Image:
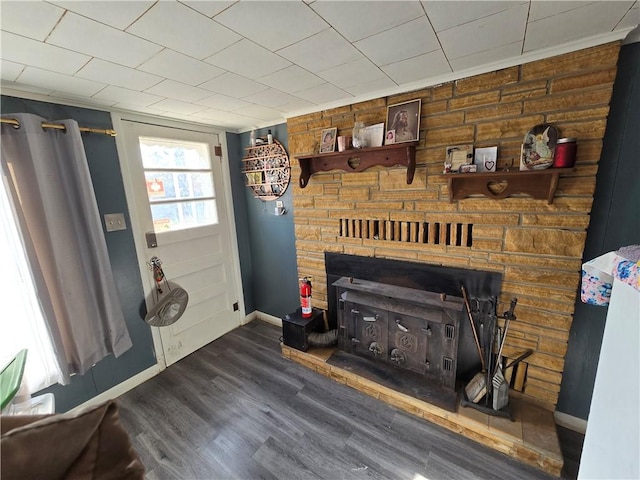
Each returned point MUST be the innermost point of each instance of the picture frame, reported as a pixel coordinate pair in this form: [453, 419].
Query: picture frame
[486, 159]
[328, 140]
[374, 134]
[390, 137]
[404, 118]
[458, 155]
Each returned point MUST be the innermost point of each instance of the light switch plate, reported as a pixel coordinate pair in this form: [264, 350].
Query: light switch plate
[279, 203]
[114, 222]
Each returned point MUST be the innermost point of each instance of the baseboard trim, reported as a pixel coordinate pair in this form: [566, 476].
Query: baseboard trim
[569, 421]
[121, 388]
[250, 318]
[265, 317]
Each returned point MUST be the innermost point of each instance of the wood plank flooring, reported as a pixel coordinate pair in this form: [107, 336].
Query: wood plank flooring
[237, 409]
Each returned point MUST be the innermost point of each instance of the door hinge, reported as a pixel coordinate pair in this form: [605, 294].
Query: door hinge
[236, 307]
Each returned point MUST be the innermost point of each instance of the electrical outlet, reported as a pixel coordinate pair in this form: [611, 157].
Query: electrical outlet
[279, 203]
[114, 222]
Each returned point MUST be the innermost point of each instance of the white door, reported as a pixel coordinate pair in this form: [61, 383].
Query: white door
[178, 191]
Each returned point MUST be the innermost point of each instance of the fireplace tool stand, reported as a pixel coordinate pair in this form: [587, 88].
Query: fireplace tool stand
[497, 390]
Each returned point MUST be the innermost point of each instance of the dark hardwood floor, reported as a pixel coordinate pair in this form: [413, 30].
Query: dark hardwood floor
[237, 409]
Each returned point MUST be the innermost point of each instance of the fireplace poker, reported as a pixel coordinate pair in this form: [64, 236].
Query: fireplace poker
[477, 387]
[473, 325]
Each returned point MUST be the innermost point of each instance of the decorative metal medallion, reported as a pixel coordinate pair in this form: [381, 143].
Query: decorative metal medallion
[407, 341]
[372, 331]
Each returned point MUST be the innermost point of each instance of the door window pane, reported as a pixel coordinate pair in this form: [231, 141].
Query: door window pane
[174, 154]
[181, 215]
[179, 183]
[166, 185]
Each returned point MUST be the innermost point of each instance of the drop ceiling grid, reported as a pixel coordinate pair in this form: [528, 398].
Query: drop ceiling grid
[246, 63]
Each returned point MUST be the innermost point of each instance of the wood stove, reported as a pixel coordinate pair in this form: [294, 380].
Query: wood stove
[403, 327]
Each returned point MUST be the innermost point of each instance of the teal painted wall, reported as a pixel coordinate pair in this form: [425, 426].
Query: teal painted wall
[266, 241]
[614, 223]
[109, 189]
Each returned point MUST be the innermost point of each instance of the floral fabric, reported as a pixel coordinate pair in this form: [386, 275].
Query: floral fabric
[598, 275]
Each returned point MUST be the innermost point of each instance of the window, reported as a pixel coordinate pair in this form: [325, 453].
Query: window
[179, 183]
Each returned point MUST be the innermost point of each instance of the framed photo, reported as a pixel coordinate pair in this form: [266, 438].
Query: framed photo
[486, 159]
[374, 134]
[458, 155]
[404, 118]
[328, 140]
[390, 137]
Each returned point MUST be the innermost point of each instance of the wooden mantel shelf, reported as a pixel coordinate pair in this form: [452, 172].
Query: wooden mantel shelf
[540, 184]
[357, 160]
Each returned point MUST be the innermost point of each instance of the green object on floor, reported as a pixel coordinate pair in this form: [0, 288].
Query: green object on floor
[11, 378]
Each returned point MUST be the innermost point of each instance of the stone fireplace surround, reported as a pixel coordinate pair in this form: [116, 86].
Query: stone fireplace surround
[536, 247]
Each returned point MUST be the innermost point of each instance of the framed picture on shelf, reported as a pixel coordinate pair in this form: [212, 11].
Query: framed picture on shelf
[328, 140]
[458, 155]
[390, 137]
[404, 118]
[486, 159]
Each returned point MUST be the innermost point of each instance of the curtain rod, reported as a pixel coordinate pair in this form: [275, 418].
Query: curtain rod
[57, 126]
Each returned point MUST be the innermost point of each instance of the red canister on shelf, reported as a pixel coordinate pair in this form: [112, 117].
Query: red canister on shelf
[565, 156]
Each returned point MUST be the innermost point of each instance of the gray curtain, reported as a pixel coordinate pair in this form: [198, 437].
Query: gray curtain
[56, 210]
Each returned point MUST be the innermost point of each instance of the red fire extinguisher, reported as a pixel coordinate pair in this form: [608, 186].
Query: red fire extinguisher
[305, 297]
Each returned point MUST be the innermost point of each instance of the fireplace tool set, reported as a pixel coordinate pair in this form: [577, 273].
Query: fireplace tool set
[488, 390]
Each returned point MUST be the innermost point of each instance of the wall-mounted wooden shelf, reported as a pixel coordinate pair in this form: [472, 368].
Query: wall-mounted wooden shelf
[357, 160]
[267, 170]
[540, 184]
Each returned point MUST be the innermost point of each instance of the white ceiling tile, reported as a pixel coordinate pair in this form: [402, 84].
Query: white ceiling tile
[10, 70]
[29, 19]
[37, 54]
[226, 118]
[180, 67]
[260, 112]
[176, 106]
[632, 18]
[378, 85]
[489, 32]
[180, 28]
[137, 108]
[576, 24]
[352, 73]
[23, 87]
[418, 68]
[322, 51]
[59, 82]
[117, 75]
[178, 91]
[292, 79]
[324, 93]
[129, 97]
[248, 59]
[447, 14]
[296, 105]
[511, 50]
[273, 25]
[233, 85]
[223, 103]
[83, 99]
[270, 98]
[210, 9]
[543, 8]
[405, 41]
[358, 20]
[83, 35]
[105, 11]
